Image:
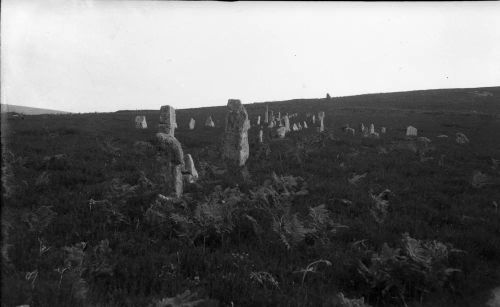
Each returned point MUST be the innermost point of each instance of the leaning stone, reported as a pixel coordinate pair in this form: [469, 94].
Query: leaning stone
[258, 120]
[294, 127]
[209, 122]
[305, 125]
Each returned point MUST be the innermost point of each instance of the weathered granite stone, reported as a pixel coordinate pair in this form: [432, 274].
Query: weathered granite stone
[172, 157]
[192, 123]
[287, 123]
[461, 138]
[168, 122]
[140, 122]
[209, 122]
[281, 132]
[411, 131]
[190, 169]
[321, 117]
[235, 147]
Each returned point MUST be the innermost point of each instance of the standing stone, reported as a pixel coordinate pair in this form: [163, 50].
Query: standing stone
[192, 123]
[294, 127]
[321, 117]
[281, 132]
[258, 120]
[140, 122]
[271, 115]
[305, 125]
[261, 136]
[350, 130]
[279, 116]
[209, 122]
[314, 119]
[299, 126]
[411, 131]
[235, 149]
[382, 130]
[190, 169]
[266, 115]
[287, 123]
[372, 129]
[168, 122]
[172, 155]
[362, 128]
[461, 138]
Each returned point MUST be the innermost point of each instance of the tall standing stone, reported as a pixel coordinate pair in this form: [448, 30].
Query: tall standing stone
[321, 117]
[287, 123]
[266, 115]
[235, 148]
[279, 116]
[192, 123]
[314, 119]
[172, 155]
[271, 115]
[261, 136]
[258, 120]
[168, 122]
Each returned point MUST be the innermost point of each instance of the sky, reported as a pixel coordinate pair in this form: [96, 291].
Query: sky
[86, 56]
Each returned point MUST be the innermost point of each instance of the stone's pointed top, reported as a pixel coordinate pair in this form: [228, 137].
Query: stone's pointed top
[234, 104]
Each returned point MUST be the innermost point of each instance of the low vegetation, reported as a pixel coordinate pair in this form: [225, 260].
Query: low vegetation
[325, 219]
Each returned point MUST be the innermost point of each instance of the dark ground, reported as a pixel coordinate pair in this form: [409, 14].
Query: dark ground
[250, 243]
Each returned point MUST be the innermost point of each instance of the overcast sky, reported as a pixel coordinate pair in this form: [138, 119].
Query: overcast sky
[85, 56]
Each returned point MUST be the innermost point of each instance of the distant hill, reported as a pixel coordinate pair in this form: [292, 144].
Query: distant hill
[28, 110]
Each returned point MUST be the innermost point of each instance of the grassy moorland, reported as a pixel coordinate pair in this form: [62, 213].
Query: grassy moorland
[325, 220]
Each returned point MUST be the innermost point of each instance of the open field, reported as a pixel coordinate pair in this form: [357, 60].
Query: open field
[82, 224]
